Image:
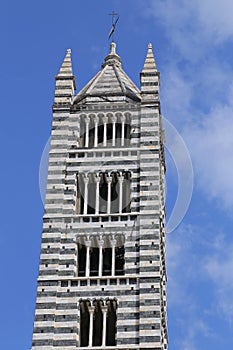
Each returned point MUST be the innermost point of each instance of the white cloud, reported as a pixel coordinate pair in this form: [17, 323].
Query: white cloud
[216, 18]
[195, 329]
[219, 269]
[185, 268]
[197, 88]
[194, 24]
[187, 265]
[197, 96]
[211, 145]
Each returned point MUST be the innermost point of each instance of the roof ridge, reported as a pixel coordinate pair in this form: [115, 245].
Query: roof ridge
[129, 79]
[119, 80]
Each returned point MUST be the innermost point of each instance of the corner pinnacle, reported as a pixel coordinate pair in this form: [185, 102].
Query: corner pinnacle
[66, 67]
[149, 64]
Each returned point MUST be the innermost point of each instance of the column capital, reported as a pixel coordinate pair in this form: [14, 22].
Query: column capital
[104, 308]
[86, 179]
[114, 119]
[109, 179]
[96, 119]
[122, 118]
[88, 243]
[97, 178]
[120, 178]
[87, 120]
[101, 242]
[91, 309]
[113, 242]
[104, 119]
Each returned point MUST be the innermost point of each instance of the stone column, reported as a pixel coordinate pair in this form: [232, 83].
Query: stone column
[105, 120]
[101, 244]
[120, 180]
[122, 130]
[96, 120]
[88, 245]
[87, 121]
[86, 181]
[91, 313]
[129, 190]
[104, 310]
[114, 119]
[109, 182]
[97, 194]
[113, 242]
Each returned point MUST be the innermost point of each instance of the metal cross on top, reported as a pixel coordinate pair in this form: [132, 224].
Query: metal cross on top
[115, 18]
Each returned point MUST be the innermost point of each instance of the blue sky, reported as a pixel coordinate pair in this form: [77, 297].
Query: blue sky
[193, 46]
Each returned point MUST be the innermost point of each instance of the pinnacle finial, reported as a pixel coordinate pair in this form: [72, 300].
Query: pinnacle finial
[112, 57]
[65, 93]
[113, 48]
[149, 78]
[66, 67]
[149, 64]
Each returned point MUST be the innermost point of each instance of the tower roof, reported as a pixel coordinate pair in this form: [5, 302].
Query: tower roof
[111, 83]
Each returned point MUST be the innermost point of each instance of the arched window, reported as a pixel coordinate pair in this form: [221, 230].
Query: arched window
[103, 193]
[98, 323]
[101, 257]
[111, 323]
[84, 323]
[105, 130]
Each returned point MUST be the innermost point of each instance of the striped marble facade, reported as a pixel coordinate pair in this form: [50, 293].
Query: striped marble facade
[139, 293]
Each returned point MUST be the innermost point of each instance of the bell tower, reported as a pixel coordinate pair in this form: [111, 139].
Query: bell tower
[102, 276]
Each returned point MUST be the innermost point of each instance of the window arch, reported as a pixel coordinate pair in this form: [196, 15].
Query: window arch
[98, 320]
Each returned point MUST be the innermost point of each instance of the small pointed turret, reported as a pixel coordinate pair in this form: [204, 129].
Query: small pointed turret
[66, 67]
[149, 64]
[149, 78]
[65, 81]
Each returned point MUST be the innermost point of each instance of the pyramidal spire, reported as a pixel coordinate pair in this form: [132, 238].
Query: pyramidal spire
[65, 81]
[149, 78]
[149, 64]
[66, 67]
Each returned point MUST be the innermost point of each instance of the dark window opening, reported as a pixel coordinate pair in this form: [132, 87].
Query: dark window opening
[95, 314]
[114, 193]
[126, 193]
[91, 195]
[103, 192]
[82, 252]
[107, 261]
[100, 134]
[120, 260]
[94, 262]
[97, 325]
[85, 323]
[111, 324]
